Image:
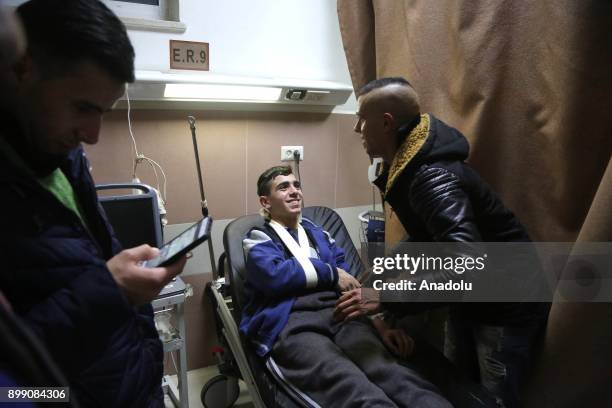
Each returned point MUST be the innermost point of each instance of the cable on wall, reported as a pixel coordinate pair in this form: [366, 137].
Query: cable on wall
[140, 158]
[296, 166]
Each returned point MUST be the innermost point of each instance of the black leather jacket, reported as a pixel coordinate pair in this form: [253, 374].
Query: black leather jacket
[439, 198]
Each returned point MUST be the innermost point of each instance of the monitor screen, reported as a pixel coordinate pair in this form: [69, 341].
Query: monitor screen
[134, 218]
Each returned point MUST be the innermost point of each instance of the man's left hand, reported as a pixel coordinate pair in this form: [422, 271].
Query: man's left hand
[356, 303]
[398, 342]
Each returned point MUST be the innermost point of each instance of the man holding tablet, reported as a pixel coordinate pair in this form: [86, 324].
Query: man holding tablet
[63, 270]
[182, 244]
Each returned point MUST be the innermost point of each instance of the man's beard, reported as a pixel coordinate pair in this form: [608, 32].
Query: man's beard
[41, 163]
[44, 164]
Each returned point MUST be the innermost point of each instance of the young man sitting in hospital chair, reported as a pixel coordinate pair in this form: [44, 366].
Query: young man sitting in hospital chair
[295, 273]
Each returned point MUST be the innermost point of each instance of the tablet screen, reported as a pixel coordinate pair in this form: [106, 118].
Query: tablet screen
[184, 242]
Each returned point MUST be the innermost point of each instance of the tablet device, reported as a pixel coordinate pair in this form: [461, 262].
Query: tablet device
[183, 243]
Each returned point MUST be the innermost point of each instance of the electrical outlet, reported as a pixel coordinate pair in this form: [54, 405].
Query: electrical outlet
[287, 152]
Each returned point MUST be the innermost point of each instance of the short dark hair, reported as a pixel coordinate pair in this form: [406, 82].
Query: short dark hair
[382, 82]
[264, 182]
[61, 32]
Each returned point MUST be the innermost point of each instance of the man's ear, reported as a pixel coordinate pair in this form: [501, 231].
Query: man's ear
[389, 122]
[264, 201]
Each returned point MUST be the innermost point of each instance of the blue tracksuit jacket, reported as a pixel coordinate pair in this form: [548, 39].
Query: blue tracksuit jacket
[275, 278]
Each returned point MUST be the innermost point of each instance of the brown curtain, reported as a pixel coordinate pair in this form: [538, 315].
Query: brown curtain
[530, 85]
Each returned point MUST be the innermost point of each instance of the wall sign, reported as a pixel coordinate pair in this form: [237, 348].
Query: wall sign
[189, 55]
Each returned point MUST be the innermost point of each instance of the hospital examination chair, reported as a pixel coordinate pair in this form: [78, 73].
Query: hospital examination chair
[265, 386]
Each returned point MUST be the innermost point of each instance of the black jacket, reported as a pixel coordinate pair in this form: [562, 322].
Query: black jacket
[439, 198]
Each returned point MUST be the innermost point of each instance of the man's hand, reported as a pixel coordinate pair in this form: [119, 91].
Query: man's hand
[357, 302]
[396, 340]
[139, 284]
[346, 281]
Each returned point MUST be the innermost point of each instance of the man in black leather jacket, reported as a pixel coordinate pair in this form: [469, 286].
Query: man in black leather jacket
[438, 198]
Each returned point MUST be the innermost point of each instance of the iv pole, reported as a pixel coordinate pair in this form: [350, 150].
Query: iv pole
[203, 202]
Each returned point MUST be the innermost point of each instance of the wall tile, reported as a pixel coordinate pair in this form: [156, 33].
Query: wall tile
[111, 158]
[166, 138]
[222, 150]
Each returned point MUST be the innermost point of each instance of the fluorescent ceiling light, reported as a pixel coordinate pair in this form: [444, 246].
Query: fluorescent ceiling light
[172, 90]
[222, 92]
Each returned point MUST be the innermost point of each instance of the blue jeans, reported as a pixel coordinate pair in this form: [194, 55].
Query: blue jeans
[499, 357]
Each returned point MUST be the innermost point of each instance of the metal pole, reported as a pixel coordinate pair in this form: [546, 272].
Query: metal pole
[203, 202]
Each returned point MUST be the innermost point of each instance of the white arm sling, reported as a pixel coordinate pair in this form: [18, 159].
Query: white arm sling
[301, 252]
